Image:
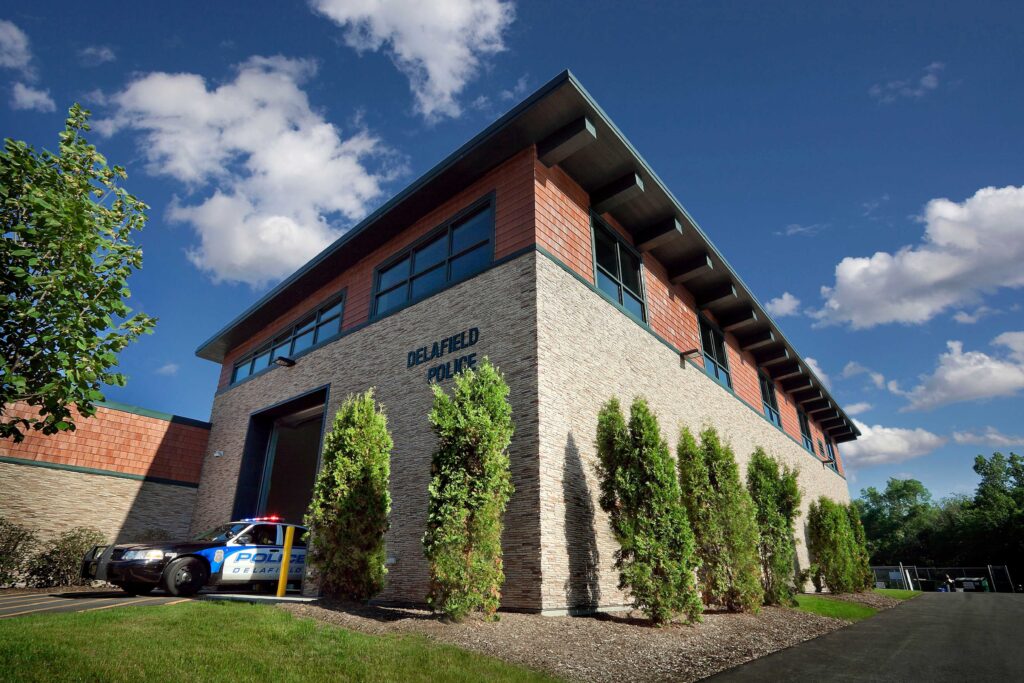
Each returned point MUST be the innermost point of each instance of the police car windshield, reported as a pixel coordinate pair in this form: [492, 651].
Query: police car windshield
[224, 532]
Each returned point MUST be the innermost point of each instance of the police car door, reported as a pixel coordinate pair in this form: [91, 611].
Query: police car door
[297, 563]
[256, 557]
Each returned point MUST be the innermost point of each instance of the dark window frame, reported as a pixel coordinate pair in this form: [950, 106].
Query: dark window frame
[805, 430]
[299, 328]
[716, 369]
[831, 455]
[484, 204]
[598, 223]
[769, 399]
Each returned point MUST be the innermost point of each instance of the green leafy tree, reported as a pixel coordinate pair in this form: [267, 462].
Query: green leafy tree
[348, 515]
[836, 547]
[469, 489]
[776, 496]
[641, 495]
[65, 259]
[724, 524]
[896, 520]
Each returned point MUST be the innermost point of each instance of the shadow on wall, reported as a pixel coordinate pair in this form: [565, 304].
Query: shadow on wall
[583, 588]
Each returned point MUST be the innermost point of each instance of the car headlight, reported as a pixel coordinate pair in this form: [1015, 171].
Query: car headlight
[143, 555]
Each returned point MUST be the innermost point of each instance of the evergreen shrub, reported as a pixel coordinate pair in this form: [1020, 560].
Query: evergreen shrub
[837, 549]
[348, 515]
[776, 496]
[59, 560]
[469, 489]
[640, 493]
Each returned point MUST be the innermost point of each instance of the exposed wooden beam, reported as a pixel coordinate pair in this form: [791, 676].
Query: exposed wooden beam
[756, 340]
[566, 141]
[817, 406]
[658, 234]
[826, 413]
[831, 423]
[797, 383]
[737, 319]
[843, 438]
[715, 295]
[690, 268]
[785, 370]
[617, 192]
[807, 394]
[772, 356]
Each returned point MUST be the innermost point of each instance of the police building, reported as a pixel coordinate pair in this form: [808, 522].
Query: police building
[548, 245]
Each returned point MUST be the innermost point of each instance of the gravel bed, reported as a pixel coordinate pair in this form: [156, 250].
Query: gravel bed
[869, 598]
[607, 647]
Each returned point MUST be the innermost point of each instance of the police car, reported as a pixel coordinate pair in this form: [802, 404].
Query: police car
[246, 553]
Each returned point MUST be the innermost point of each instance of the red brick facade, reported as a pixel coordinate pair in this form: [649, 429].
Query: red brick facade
[119, 441]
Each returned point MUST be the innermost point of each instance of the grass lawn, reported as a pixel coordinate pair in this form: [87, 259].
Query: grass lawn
[840, 609]
[897, 593]
[221, 641]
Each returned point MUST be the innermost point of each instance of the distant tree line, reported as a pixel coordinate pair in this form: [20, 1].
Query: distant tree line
[904, 524]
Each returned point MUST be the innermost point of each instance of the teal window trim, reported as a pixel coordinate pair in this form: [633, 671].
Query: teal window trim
[769, 400]
[630, 297]
[439, 274]
[805, 431]
[312, 330]
[716, 367]
[832, 455]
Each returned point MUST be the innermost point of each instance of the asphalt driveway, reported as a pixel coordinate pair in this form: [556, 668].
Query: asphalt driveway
[23, 604]
[933, 637]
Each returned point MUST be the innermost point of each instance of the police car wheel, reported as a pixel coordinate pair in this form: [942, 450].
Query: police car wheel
[185, 576]
[138, 588]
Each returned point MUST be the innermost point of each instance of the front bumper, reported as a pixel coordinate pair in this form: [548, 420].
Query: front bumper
[97, 565]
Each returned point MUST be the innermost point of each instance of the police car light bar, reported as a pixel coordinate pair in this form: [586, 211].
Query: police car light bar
[269, 518]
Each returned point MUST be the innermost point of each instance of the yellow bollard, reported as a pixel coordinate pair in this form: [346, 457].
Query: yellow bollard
[282, 582]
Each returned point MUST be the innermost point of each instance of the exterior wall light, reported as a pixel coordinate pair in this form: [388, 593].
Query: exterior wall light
[691, 354]
[285, 361]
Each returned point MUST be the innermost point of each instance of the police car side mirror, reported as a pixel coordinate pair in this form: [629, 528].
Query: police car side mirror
[244, 539]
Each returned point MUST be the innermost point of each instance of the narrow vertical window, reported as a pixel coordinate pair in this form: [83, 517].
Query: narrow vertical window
[805, 431]
[771, 405]
[617, 270]
[832, 455]
[716, 362]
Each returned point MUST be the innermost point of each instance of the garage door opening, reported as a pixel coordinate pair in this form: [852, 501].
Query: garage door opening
[281, 459]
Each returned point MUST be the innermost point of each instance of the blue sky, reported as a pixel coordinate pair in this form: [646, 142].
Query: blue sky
[871, 150]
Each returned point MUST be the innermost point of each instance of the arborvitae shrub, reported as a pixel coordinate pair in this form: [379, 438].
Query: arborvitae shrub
[469, 489]
[864, 577]
[839, 555]
[640, 493]
[724, 526]
[776, 497]
[348, 515]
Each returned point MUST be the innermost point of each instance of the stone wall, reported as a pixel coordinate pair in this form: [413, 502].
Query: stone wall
[589, 351]
[502, 304]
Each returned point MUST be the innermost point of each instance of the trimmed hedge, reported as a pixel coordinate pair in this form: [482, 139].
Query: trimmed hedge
[836, 544]
[641, 495]
[348, 515]
[469, 489]
[16, 545]
[59, 562]
[776, 496]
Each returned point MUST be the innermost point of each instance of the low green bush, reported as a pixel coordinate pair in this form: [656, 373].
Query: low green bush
[16, 545]
[59, 561]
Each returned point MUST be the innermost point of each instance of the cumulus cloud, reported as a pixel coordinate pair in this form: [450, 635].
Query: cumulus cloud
[858, 408]
[969, 248]
[167, 369]
[971, 317]
[909, 88]
[819, 373]
[854, 369]
[970, 375]
[784, 305]
[29, 98]
[15, 52]
[284, 176]
[439, 47]
[989, 436]
[878, 445]
[95, 55]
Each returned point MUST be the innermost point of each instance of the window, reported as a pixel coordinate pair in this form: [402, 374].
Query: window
[312, 330]
[716, 363]
[262, 534]
[821, 449]
[771, 405]
[831, 455]
[456, 251]
[617, 270]
[805, 431]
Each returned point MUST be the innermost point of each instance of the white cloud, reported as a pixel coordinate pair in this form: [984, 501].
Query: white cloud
[439, 46]
[858, 408]
[15, 52]
[95, 55]
[796, 229]
[26, 97]
[969, 249]
[969, 318]
[283, 174]
[819, 373]
[878, 445]
[516, 91]
[167, 369]
[910, 88]
[784, 305]
[989, 436]
[853, 369]
[969, 375]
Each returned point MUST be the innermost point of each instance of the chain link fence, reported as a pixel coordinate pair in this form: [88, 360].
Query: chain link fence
[995, 576]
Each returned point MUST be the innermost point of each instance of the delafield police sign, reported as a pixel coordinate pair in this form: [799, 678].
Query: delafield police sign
[446, 347]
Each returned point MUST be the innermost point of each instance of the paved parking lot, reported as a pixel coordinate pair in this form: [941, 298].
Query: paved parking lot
[23, 604]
